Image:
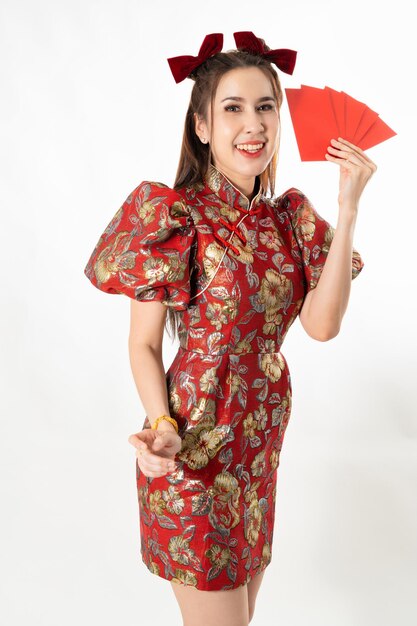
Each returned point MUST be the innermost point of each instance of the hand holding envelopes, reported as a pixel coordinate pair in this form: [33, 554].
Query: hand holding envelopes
[318, 115]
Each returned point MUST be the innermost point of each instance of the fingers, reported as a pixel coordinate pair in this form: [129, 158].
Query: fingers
[345, 153]
[154, 465]
[341, 151]
[360, 151]
[341, 161]
[142, 439]
[136, 442]
[159, 443]
[151, 464]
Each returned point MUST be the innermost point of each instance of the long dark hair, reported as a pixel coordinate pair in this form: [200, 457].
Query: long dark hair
[195, 156]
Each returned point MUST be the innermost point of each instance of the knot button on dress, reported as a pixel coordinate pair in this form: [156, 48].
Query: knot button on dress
[236, 272]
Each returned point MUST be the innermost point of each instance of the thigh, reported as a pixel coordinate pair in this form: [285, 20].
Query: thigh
[253, 588]
[212, 608]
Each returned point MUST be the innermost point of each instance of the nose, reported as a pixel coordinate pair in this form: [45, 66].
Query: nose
[254, 122]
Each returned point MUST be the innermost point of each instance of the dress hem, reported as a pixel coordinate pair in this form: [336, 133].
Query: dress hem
[211, 588]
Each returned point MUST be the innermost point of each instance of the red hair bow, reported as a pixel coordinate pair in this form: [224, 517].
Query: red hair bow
[182, 66]
[283, 58]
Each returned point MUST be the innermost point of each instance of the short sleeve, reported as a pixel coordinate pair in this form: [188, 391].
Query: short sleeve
[313, 236]
[145, 250]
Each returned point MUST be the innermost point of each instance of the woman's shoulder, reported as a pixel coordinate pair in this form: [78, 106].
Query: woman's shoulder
[153, 202]
[155, 192]
[290, 198]
[145, 248]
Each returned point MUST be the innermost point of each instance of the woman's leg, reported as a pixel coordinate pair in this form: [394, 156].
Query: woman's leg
[253, 588]
[212, 608]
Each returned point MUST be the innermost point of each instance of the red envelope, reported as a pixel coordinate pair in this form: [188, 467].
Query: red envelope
[318, 115]
[377, 133]
[367, 120]
[354, 112]
[338, 104]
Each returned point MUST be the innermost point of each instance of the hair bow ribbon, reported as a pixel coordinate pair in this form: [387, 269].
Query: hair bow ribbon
[282, 57]
[183, 65]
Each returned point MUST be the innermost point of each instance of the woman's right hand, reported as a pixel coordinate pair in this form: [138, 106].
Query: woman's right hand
[156, 450]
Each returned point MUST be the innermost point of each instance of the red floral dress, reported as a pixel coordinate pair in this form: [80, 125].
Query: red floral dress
[237, 273]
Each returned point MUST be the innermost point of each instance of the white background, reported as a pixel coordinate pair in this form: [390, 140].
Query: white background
[89, 109]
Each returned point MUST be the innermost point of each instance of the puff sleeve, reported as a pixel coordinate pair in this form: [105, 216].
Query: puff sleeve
[313, 236]
[145, 250]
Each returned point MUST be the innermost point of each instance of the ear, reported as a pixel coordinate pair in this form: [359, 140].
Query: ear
[200, 126]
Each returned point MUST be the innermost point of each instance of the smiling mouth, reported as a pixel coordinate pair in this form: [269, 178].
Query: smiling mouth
[249, 151]
[250, 148]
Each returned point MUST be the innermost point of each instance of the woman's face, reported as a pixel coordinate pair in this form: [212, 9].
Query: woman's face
[245, 111]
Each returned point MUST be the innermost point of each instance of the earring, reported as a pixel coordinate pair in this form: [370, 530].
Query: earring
[204, 140]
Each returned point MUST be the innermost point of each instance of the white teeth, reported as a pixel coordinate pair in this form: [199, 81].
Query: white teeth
[249, 147]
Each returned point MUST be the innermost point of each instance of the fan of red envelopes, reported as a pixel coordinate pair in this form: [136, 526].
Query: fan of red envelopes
[319, 115]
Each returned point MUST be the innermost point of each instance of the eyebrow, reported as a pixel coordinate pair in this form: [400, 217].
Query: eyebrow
[238, 99]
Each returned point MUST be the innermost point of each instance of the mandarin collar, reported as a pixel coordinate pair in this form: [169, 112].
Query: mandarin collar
[227, 192]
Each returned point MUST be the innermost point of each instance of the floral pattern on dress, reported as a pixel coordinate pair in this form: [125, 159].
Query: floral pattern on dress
[144, 252]
[237, 272]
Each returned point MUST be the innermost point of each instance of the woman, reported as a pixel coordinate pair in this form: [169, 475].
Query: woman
[232, 268]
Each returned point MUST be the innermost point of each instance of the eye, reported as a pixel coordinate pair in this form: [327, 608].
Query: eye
[235, 106]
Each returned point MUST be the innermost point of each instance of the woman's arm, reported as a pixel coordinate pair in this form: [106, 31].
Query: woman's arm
[155, 449]
[325, 305]
[147, 320]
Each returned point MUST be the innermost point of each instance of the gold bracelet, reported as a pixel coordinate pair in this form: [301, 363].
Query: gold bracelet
[168, 418]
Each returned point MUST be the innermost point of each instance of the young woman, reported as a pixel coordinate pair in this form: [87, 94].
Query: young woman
[230, 266]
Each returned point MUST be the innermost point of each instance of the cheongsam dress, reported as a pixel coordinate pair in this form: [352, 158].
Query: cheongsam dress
[237, 273]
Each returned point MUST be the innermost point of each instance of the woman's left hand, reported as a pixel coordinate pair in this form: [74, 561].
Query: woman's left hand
[356, 168]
